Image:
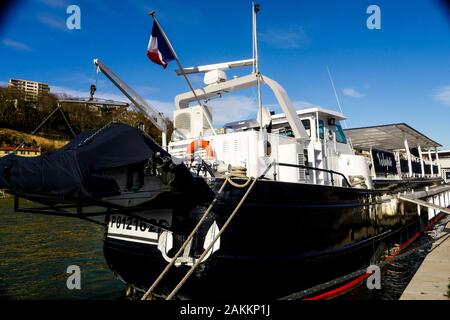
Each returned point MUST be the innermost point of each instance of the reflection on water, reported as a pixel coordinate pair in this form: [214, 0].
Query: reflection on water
[394, 277]
[35, 251]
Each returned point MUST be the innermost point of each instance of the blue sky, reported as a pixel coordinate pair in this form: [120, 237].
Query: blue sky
[400, 73]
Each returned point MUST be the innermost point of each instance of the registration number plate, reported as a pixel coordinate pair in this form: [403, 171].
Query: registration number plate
[133, 229]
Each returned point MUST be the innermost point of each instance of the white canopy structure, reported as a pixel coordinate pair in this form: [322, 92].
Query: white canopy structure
[400, 138]
[389, 137]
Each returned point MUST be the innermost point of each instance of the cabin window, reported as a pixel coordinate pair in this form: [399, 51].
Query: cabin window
[286, 132]
[340, 136]
[307, 125]
[321, 131]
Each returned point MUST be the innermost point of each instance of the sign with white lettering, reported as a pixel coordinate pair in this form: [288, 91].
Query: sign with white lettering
[384, 162]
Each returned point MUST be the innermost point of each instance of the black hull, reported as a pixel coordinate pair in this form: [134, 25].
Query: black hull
[284, 239]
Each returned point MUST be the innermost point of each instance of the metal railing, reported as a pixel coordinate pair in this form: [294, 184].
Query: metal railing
[331, 172]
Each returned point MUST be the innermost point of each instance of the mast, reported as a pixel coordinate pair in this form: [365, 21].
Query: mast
[256, 8]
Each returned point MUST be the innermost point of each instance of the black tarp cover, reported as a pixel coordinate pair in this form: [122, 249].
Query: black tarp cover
[73, 171]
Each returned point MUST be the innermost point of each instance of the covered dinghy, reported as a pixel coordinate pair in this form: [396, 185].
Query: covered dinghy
[76, 170]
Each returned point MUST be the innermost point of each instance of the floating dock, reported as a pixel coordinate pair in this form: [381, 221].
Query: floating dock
[432, 280]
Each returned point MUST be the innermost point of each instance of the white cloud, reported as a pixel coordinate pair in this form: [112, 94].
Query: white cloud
[64, 91]
[443, 95]
[162, 106]
[352, 93]
[76, 93]
[232, 108]
[235, 108]
[16, 45]
[226, 109]
[144, 90]
[53, 22]
[300, 104]
[165, 107]
[292, 38]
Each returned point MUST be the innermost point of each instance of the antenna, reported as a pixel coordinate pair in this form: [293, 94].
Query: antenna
[335, 95]
[339, 104]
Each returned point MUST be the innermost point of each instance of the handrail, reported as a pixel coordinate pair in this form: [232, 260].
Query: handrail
[331, 172]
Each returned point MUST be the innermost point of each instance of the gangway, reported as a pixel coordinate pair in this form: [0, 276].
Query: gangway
[425, 204]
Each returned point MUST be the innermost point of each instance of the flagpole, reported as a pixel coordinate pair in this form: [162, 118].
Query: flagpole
[153, 14]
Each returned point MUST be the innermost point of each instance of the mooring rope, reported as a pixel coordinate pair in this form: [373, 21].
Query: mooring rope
[237, 185]
[224, 227]
[185, 243]
[180, 251]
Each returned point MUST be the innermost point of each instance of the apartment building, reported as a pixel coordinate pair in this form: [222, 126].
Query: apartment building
[31, 89]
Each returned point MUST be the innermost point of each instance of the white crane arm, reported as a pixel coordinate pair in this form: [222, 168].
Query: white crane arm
[157, 118]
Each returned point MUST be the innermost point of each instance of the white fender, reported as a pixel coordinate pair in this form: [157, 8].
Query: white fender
[212, 232]
[165, 243]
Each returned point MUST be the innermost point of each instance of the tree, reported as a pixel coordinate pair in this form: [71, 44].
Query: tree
[22, 115]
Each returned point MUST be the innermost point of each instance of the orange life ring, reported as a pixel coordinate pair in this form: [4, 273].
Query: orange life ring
[200, 143]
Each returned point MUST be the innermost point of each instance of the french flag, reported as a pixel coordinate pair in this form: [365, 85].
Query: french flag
[158, 50]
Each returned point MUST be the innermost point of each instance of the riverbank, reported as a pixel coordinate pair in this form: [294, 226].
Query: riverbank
[16, 138]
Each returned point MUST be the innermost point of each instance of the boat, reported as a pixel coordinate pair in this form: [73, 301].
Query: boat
[279, 204]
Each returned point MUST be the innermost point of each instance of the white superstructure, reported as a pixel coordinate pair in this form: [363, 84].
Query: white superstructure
[312, 139]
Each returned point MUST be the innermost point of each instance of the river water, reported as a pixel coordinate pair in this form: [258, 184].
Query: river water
[36, 250]
[395, 276]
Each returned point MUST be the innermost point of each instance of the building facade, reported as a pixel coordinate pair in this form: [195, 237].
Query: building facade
[444, 162]
[24, 152]
[31, 89]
